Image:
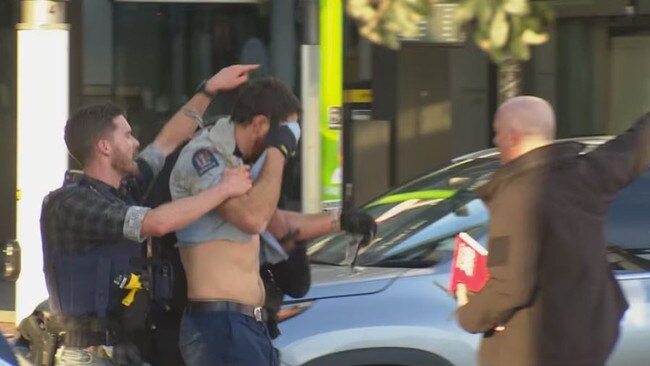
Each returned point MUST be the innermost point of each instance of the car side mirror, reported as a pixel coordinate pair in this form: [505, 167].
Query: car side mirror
[9, 261]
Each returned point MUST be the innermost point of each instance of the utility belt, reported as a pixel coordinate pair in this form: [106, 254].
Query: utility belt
[159, 277]
[82, 332]
[46, 333]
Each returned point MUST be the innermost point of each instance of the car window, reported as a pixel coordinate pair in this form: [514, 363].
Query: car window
[628, 227]
[417, 221]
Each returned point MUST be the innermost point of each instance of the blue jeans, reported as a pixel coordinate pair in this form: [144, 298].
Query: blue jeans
[225, 338]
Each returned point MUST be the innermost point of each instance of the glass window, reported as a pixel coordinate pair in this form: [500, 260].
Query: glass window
[156, 71]
[628, 227]
[418, 221]
[160, 52]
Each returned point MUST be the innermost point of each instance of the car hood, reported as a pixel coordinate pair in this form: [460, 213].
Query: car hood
[336, 281]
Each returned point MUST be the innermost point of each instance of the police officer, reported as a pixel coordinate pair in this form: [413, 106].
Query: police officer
[92, 225]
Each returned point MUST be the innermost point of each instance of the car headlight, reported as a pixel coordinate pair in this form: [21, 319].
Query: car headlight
[291, 310]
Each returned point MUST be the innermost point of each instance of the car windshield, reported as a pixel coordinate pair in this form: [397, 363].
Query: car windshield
[417, 222]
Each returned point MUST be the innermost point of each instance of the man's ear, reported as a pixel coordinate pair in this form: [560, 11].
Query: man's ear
[261, 124]
[103, 147]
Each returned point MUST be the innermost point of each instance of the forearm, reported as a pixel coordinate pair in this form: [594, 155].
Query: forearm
[180, 213]
[252, 211]
[485, 310]
[182, 125]
[310, 226]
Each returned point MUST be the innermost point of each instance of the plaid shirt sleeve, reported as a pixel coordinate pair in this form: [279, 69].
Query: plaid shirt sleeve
[150, 162]
[91, 218]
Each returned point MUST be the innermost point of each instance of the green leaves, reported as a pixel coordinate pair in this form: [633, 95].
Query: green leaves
[499, 29]
[506, 29]
[516, 7]
[386, 21]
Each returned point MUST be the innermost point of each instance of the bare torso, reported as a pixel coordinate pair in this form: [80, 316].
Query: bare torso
[224, 270]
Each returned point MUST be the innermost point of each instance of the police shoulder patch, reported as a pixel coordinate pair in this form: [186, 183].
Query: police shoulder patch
[203, 161]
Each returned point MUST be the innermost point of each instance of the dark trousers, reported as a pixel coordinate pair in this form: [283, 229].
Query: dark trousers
[225, 338]
[162, 347]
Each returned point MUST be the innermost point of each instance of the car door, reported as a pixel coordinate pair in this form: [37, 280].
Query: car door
[628, 235]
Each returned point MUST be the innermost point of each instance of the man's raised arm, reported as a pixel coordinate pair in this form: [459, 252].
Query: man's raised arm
[622, 159]
[182, 125]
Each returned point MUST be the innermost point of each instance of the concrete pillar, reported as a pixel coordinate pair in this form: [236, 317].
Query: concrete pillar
[42, 110]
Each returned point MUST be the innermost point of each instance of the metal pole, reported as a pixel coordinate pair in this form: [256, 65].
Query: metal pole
[310, 96]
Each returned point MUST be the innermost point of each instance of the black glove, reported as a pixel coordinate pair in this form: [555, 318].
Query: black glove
[358, 222]
[283, 139]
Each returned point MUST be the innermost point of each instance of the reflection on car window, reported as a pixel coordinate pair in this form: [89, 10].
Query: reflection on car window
[628, 227]
[417, 222]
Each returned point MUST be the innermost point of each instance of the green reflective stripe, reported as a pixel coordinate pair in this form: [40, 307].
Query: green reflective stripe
[401, 197]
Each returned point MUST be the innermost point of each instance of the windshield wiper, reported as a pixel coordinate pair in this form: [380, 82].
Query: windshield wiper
[400, 263]
[626, 259]
[316, 261]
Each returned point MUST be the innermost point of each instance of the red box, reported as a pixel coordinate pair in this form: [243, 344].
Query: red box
[469, 264]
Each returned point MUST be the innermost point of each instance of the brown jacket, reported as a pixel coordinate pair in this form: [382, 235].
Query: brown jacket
[551, 285]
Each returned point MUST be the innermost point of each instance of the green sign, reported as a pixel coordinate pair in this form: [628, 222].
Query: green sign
[331, 99]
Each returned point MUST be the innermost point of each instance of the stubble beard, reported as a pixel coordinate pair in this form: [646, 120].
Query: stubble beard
[126, 165]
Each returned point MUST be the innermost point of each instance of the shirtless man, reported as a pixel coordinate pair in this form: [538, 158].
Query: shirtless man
[224, 320]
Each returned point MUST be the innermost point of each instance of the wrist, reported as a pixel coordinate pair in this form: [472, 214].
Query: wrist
[203, 89]
[335, 219]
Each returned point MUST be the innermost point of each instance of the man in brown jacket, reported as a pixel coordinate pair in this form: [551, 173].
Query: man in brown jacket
[551, 298]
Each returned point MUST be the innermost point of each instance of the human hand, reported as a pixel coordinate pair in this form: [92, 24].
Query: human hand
[229, 78]
[237, 181]
[462, 297]
[358, 222]
[284, 139]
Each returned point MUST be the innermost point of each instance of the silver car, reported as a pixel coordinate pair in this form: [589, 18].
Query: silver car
[388, 305]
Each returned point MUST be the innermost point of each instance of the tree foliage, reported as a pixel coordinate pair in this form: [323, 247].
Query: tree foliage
[505, 29]
[386, 21]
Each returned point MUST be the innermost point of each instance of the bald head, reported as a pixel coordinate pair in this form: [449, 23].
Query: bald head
[527, 115]
[522, 124]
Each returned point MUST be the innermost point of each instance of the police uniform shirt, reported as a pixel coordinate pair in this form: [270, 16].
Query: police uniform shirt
[200, 166]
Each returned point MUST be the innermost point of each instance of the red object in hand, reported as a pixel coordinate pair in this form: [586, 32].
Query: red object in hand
[469, 265]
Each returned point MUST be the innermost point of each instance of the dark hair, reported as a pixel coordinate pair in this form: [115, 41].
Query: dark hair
[269, 97]
[87, 126]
